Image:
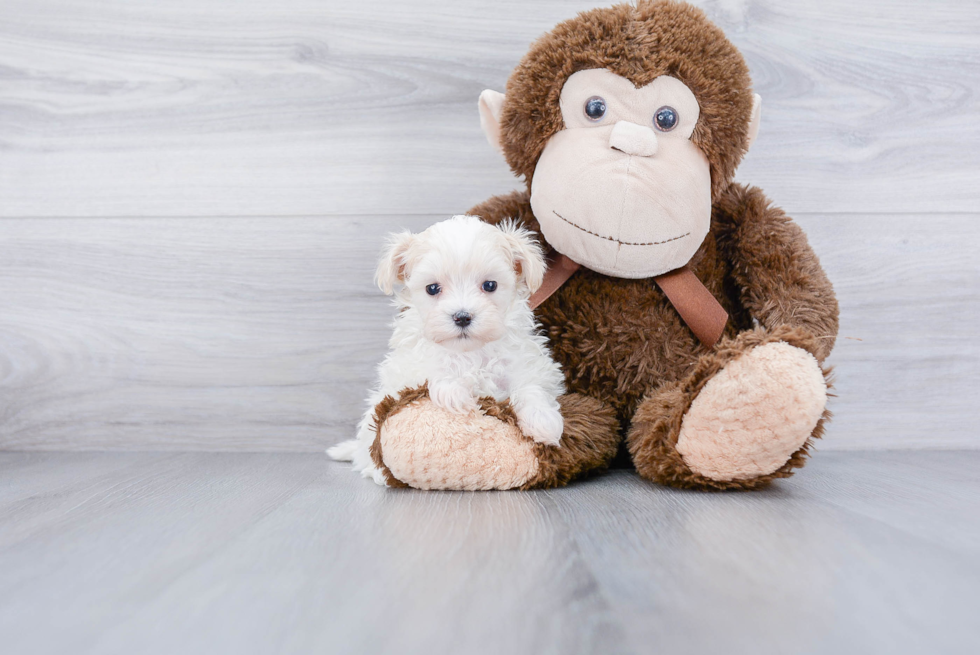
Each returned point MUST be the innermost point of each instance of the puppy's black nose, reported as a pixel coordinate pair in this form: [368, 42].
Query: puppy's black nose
[462, 319]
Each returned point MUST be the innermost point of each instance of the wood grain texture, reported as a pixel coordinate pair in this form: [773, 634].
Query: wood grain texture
[303, 107]
[260, 553]
[233, 169]
[262, 334]
[174, 333]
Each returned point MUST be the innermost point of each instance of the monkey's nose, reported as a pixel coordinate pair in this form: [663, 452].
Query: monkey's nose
[462, 319]
[633, 139]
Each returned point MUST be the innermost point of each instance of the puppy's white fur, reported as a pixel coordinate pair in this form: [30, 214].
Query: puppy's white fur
[499, 354]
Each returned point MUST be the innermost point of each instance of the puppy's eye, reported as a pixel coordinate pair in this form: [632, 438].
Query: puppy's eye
[489, 286]
[595, 108]
[665, 119]
[433, 289]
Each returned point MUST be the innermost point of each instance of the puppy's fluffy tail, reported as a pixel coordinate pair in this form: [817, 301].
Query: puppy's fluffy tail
[344, 451]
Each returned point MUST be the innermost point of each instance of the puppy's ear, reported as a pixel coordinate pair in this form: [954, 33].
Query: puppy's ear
[394, 266]
[526, 252]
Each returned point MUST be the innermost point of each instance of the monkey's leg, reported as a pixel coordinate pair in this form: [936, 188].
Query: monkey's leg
[420, 445]
[746, 415]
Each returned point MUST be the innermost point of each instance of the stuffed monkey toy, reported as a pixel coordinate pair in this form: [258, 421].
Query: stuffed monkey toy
[689, 315]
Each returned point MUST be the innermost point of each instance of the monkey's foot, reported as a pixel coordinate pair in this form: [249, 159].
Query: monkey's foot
[756, 412]
[742, 419]
[420, 445]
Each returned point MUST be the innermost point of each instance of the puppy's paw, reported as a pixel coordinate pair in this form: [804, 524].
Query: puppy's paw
[375, 475]
[452, 396]
[379, 478]
[542, 423]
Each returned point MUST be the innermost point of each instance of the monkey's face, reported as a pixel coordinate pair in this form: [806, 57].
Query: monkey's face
[599, 117]
[622, 189]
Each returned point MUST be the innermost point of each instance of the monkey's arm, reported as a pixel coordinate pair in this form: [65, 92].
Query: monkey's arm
[779, 276]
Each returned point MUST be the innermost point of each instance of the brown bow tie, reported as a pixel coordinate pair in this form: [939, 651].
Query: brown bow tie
[702, 313]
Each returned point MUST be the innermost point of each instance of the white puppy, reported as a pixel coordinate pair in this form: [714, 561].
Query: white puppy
[465, 327]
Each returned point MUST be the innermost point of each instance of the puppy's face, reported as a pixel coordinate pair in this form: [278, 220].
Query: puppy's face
[463, 277]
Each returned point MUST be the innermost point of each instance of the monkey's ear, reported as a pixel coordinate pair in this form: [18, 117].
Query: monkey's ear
[395, 261]
[527, 254]
[754, 120]
[491, 104]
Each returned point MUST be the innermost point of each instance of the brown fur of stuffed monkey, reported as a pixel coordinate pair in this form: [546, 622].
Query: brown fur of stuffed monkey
[735, 415]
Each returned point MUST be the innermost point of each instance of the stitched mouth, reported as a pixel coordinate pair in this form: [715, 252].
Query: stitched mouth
[624, 243]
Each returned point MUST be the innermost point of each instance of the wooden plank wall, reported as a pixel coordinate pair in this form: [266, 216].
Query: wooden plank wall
[192, 195]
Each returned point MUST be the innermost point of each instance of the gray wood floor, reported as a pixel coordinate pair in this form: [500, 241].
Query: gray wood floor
[862, 552]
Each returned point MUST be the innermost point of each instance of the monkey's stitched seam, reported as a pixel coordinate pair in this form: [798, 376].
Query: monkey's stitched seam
[625, 243]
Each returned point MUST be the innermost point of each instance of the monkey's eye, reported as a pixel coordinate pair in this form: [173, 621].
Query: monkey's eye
[595, 108]
[665, 119]
[433, 289]
[489, 286]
